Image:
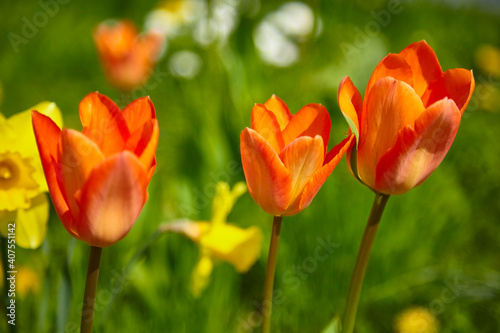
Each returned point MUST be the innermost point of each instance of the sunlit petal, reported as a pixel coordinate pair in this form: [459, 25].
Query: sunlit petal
[419, 149]
[268, 180]
[112, 199]
[424, 65]
[311, 120]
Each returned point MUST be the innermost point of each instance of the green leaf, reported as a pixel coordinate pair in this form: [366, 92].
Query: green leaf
[335, 326]
[353, 127]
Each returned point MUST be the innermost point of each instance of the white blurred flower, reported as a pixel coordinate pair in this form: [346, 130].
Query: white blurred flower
[276, 36]
[274, 48]
[185, 64]
[172, 15]
[294, 19]
[219, 25]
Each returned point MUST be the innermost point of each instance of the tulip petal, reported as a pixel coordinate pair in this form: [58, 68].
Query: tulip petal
[47, 137]
[419, 149]
[424, 65]
[111, 199]
[302, 157]
[351, 104]
[78, 155]
[137, 113]
[31, 224]
[311, 120]
[320, 176]
[20, 125]
[143, 143]
[103, 123]
[393, 65]
[265, 123]
[456, 84]
[280, 110]
[268, 180]
[391, 105]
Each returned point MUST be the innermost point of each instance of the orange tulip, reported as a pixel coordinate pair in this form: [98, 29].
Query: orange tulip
[284, 156]
[408, 119]
[128, 58]
[98, 178]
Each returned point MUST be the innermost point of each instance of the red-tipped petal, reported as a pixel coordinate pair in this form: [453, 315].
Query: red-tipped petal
[302, 157]
[47, 138]
[265, 123]
[137, 113]
[320, 176]
[268, 180]
[280, 110]
[424, 65]
[419, 149]
[77, 156]
[311, 120]
[393, 65]
[457, 84]
[391, 105]
[351, 104]
[112, 199]
[104, 123]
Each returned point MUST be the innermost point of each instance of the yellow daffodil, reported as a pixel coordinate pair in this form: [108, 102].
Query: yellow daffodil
[416, 320]
[219, 240]
[22, 184]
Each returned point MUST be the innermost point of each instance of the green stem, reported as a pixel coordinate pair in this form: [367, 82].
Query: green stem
[267, 302]
[362, 262]
[90, 289]
[6, 283]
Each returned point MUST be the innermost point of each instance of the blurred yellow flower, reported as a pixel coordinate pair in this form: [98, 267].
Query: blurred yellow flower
[219, 240]
[27, 282]
[171, 16]
[22, 182]
[416, 320]
[488, 59]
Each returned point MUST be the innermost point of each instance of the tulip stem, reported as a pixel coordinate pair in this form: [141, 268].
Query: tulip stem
[90, 289]
[6, 283]
[267, 302]
[362, 262]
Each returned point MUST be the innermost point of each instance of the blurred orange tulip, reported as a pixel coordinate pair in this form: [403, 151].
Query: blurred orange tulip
[408, 120]
[127, 57]
[284, 156]
[98, 178]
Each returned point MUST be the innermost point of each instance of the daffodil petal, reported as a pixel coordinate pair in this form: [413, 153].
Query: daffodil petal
[201, 275]
[31, 224]
[240, 247]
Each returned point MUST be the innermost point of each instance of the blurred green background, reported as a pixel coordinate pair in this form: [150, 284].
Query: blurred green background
[437, 247]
